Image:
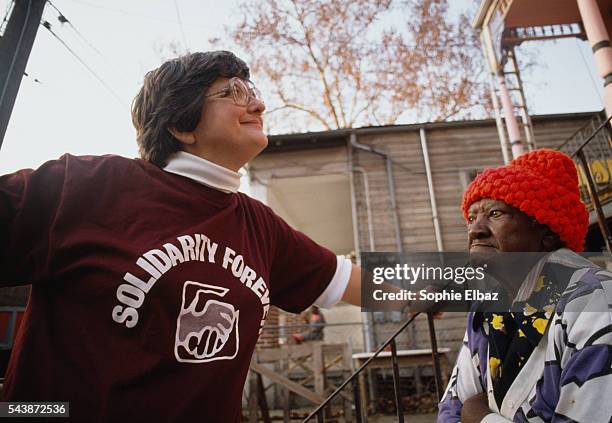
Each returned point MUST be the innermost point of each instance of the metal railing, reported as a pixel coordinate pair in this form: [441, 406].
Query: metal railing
[594, 141]
[319, 411]
[591, 147]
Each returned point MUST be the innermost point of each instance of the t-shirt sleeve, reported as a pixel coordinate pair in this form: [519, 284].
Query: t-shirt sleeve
[29, 201]
[301, 269]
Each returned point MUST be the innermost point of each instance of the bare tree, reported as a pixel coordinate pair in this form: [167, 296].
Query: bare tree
[338, 63]
[440, 60]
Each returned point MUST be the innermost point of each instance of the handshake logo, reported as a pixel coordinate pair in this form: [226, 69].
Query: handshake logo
[206, 328]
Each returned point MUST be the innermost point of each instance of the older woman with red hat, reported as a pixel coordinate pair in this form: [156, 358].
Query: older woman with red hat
[549, 357]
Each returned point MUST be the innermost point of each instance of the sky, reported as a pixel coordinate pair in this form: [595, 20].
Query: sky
[62, 108]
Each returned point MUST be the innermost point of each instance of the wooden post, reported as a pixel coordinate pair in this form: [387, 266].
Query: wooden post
[285, 393]
[318, 368]
[347, 365]
[253, 417]
[263, 402]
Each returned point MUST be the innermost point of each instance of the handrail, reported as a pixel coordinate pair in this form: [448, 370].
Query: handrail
[599, 128]
[579, 155]
[311, 325]
[391, 340]
[577, 131]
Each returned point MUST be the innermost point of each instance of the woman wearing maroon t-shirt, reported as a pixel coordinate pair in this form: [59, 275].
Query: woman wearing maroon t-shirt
[152, 277]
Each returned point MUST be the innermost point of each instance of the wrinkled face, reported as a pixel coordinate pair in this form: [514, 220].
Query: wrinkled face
[493, 226]
[229, 134]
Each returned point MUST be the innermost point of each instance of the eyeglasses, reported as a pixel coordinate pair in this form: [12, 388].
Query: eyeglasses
[242, 92]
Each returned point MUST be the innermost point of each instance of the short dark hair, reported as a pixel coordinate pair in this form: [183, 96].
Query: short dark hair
[172, 97]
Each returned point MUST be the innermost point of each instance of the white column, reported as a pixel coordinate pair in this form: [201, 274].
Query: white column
[514, 133]
[600, 43]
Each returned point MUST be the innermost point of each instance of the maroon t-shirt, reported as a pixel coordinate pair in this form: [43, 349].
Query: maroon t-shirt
[148, 289]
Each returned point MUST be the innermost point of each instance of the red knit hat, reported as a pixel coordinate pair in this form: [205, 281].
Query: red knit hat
[542, 184]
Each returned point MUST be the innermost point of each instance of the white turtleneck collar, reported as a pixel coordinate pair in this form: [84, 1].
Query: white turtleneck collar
[203, 171]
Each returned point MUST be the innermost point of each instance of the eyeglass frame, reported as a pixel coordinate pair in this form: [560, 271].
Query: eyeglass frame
[252, 91]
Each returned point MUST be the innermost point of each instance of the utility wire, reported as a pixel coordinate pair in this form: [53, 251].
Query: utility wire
[140, 15]
[47, 25]
[588, 70]
[63, 19]
[180, 22]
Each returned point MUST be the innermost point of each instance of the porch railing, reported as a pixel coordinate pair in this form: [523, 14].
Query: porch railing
[318, 413]
[594, 140]
[591, 148]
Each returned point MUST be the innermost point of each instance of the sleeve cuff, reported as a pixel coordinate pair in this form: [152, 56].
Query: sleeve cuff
[334, 291]
[495, 418]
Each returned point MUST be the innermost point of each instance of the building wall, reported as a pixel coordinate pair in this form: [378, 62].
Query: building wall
[456, 152]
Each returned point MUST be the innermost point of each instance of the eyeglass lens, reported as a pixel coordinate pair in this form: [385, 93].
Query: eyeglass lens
[243, 92]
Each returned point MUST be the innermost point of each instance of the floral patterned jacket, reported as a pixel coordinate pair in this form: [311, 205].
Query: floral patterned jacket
[566, 375]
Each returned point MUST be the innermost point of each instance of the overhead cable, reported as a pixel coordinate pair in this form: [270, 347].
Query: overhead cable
[180, 22]
[47, 25]
[63, 19]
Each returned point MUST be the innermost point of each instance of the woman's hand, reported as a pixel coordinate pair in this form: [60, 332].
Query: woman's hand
[475, 409]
